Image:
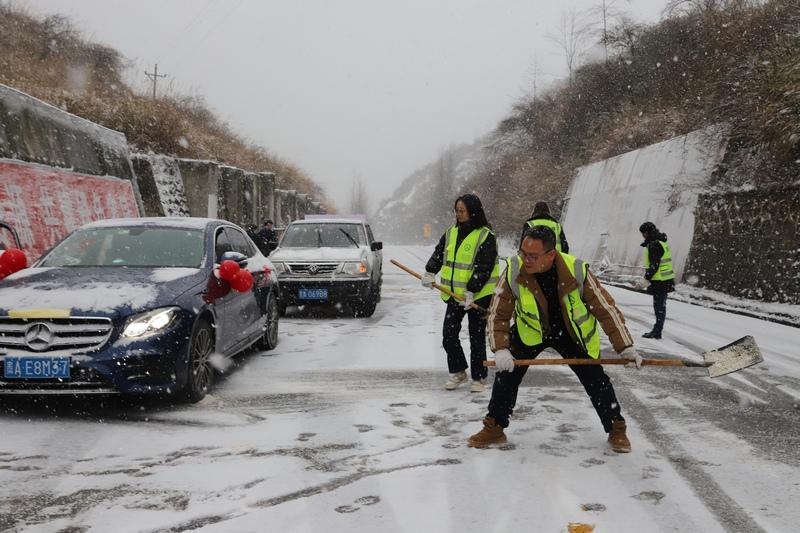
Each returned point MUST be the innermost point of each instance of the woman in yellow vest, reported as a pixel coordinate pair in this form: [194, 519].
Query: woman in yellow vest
[466, 260]
[659, 278]
[541, 217]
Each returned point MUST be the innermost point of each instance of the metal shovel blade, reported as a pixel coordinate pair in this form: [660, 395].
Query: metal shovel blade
[735, 356]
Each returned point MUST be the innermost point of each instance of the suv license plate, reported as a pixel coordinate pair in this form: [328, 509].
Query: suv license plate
[36, 367]
[312, 294]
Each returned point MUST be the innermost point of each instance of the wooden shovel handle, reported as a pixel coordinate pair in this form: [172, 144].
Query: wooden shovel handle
[537, 362]
[436, 285]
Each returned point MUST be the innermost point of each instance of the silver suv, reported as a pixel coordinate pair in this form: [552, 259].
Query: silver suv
[329, 259]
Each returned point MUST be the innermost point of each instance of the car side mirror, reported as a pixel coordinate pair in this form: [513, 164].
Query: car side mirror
[375, 246]
[241, 259]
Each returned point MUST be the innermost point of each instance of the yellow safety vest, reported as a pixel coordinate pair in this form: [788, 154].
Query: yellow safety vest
[526, 310]
[459, 264]
[555, 226]
[664, 272]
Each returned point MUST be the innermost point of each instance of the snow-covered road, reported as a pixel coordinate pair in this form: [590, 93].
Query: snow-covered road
[346, 427]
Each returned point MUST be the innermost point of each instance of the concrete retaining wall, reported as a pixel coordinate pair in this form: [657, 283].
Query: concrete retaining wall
[161, 185]
[201, 184]
[608, 200]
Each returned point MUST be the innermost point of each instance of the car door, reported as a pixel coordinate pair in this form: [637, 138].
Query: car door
[224, 300]
[246, 312]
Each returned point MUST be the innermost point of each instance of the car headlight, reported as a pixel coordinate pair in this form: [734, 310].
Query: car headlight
[280, 268]
[355, 269]
[150, 323]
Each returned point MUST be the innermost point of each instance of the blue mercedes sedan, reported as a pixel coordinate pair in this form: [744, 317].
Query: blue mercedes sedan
[135, 307]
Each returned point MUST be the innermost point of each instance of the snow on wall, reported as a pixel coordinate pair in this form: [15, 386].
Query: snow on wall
[608, 200]
[169, 183]
[34, 131]
[161, 185]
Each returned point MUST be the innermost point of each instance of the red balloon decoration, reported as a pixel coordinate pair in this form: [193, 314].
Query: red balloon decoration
[228, 269]
[243, 281]
[12, 260]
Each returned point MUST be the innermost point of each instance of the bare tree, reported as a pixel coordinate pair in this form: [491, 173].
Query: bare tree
[607, 10]
[624, 36]
[359, 200]
[572, 37]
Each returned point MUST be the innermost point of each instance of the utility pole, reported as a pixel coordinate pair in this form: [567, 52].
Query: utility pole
[154, 76]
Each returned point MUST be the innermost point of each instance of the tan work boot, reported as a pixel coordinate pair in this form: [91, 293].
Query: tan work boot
[491, 433]
[617, 439]
[455, 380]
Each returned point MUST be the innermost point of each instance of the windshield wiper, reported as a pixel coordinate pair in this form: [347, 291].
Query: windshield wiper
[349, 237]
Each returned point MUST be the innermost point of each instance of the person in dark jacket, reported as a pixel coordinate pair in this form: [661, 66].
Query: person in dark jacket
[267, 238]
[466, 259]
[659, 277]
[541, 217]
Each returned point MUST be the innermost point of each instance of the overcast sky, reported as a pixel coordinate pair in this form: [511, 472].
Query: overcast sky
[343, 87]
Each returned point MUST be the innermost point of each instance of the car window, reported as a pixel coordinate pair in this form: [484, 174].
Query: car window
[370, 236]
[129, 246]
[222, 244]
[239, 242]
[319, 235]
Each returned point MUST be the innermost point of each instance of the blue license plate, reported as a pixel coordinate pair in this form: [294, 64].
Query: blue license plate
[312, 294]
[36, 367]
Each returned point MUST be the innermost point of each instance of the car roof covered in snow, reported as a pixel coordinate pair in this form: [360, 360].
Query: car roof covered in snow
[167, 222]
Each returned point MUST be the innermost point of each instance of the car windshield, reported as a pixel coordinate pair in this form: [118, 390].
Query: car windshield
[319, 235]
[129, 246]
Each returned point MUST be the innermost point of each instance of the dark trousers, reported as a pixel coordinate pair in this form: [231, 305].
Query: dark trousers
[660, 307]
[456, 361]
[592, 377]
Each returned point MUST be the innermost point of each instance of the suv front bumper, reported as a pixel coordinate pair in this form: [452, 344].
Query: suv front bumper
[340, 290]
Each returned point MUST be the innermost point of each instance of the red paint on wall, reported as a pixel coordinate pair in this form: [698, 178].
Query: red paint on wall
[44, 204]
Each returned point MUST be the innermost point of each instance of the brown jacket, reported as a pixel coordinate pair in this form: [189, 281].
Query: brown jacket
[597, 300]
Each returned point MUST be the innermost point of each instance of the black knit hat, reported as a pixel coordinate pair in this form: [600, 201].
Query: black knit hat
[648, 228]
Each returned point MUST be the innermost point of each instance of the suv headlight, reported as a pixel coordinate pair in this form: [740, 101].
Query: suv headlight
[150, 323]
[280, 268]
[355, 269]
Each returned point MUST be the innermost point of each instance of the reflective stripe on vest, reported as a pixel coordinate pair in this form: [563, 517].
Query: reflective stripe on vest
[664, 271]
[546, 222]
[459, 264]
[526, 309]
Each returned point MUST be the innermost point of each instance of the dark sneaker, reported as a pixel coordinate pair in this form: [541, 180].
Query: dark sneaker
[617, 439]
[492, 433]
[652, 335]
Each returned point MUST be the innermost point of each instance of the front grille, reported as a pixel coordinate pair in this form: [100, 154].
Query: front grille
[57, 336]
[312, 269]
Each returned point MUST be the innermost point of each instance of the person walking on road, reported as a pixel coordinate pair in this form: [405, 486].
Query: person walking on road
[267, 238]
[541, 217]
[555, 302]
[659, 277]
[466, 260]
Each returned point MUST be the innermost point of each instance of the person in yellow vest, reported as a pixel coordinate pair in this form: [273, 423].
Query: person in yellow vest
[541, 217]
[659, 276]
[466, 260]
[550, 299]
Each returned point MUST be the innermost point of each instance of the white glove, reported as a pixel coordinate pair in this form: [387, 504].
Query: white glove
[503, 360]
[631, 355]
[641, 284]
[469, 299]
[428, 279]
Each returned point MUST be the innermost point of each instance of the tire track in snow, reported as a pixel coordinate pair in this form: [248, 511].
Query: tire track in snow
[727, 511]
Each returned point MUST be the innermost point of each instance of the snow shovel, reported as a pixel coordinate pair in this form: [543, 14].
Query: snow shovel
[732, 357]
[436, 285]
